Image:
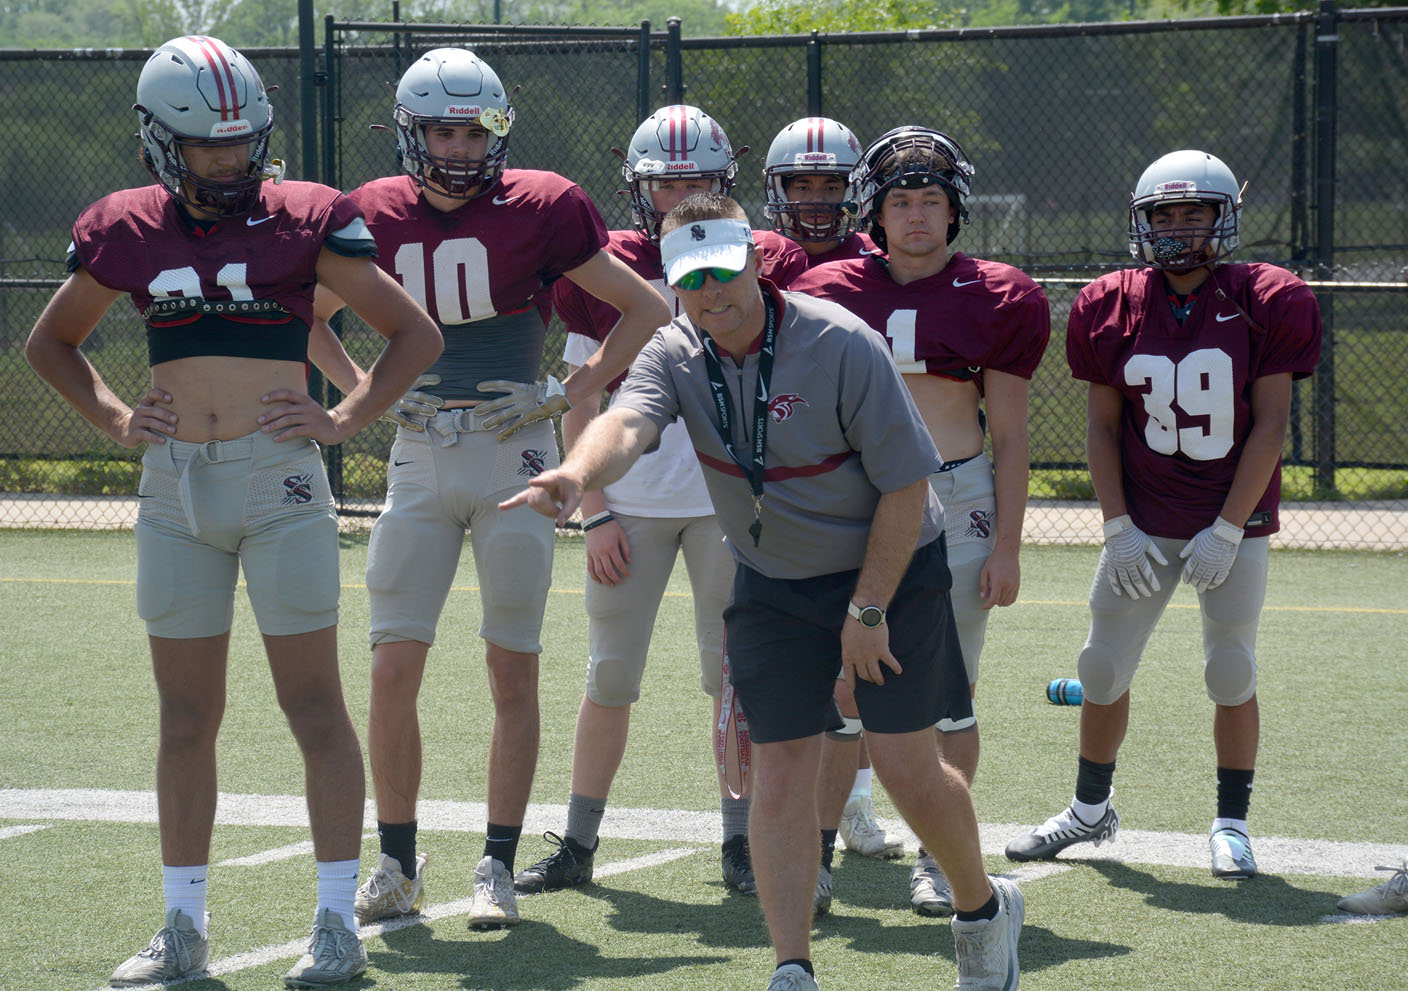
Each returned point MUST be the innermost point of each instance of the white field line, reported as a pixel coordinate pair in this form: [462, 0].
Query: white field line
[1275, 854]
[278, 853]
[11, 831]
[262, 955]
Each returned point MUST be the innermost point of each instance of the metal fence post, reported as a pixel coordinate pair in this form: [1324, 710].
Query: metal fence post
[814, 75]
[1325, 123]
[674, 63]
[643, 73]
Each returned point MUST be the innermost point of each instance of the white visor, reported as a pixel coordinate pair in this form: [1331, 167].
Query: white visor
[721, 243]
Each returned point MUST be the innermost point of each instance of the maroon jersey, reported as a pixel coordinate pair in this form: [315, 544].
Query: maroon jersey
[139, 241]
[783, 260]
[495, 254]
[973, 315]
[853, 245]
[1188, 388]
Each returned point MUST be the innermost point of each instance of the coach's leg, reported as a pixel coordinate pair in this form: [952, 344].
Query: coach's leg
[190, 684]
[598, 746]
[309, 690]
[393, 727]
[782, 836]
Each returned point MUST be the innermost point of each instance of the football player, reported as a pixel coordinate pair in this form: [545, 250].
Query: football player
[478, 245]
[221, 265]
[967, 334]
[809, 196]
[636, 526]
[1189, 362]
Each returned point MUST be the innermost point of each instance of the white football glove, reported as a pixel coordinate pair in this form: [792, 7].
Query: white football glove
[1127, 552]
[1210, 555]
[525, 403]
[415, 408]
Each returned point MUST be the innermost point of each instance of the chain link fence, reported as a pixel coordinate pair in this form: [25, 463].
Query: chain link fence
[1059, 121]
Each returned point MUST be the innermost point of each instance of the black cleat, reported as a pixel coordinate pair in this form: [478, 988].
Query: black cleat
[568, 867]
[738, 865]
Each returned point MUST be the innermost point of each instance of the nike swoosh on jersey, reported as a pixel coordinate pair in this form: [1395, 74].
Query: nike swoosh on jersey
[251, 222]
[505, 200]
[960, 285]
[1224, 317]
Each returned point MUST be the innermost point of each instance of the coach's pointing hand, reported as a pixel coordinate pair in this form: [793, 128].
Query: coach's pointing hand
[556, 493]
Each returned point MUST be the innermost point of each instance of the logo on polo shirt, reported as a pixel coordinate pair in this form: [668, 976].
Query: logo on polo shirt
[782, 407]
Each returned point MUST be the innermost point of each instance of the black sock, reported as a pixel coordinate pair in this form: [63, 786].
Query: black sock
[501, 843]
[398, 839]
[1234, 792]
[804, 964]
[988, 911]
[1093, 781]
[828, 847]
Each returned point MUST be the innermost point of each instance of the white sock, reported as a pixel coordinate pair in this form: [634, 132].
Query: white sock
[185, 888]
[1089, 814]
[337, 889]
[861, 788]
[1240, 825]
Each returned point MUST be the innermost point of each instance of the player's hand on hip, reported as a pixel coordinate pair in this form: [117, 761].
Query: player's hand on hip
[296, 414]
[1127, 553]
[608, 553]
[865, 652]
[150, 421]
[554, 493]
[1210, 555]
[524, 403]
[415, 408]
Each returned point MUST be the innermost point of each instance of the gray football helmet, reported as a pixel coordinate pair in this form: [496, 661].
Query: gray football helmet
[911, 157]
[810, 146]
[675, 142]
[199, 90]
[452, 86]
[1183, 176]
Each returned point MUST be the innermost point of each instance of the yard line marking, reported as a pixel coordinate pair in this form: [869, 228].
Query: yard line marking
[260, 956]
[278, 853]
[1276, 854]
[11, 831]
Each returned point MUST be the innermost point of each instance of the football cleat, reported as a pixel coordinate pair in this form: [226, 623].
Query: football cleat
[1063, 830]
[177, 950]
[1389, 898]
[494, 903]
[389, 893]
[862, 833]
[564, 868]
[929, 892]
[1232, 857]
[821, 898]
[791, 977]
[738, 866]
[335, 955]
[986, 950]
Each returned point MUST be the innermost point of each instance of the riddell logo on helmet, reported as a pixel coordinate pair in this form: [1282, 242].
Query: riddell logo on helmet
[1176, 186]
[815, 158]
[470, 111]
[681, 167]
[228, 128]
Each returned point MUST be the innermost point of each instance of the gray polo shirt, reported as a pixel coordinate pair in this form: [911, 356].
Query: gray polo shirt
[843, 430]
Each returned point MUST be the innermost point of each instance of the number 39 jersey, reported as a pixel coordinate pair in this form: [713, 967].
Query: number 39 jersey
[1188, 388]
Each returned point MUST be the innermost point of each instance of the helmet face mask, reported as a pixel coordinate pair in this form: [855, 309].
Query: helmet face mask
[812, 146]
[1176, 180]
[197, 92]
[451, 87]
[675, 142]
[911, 157]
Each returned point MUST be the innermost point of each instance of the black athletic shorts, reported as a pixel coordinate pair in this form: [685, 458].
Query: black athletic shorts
[784, 649]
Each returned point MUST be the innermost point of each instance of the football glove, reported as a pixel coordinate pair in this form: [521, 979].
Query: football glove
[525, 403]
[1210, 555]
[415, 408]
[1127, 552]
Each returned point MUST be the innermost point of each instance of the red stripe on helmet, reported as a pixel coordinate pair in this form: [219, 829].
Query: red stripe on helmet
[679, 134]
[224, 78]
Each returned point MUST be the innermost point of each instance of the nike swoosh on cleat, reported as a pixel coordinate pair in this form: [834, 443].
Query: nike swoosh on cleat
[251, 222]
[960, 285]
[505, 200]
[1224, 317]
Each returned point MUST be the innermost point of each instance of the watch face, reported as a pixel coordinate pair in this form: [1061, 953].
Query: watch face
[872, 616]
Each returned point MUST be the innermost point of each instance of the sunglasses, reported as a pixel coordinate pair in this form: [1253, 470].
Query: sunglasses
[695, 280]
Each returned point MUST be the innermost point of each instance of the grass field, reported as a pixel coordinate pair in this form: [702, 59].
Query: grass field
[79, 860]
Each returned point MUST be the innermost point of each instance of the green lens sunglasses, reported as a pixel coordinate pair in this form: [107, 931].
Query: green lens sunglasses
[695, 280]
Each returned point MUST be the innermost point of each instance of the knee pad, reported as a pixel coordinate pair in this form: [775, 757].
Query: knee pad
[612, 682]
[1103, 677]
[848, 733]
[1230, 675]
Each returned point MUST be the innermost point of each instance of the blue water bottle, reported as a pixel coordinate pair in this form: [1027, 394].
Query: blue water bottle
[1065, 691]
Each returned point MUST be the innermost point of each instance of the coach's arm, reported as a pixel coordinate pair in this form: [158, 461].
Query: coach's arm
[893, 532]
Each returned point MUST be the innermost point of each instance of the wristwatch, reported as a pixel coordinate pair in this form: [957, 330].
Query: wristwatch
[869, 616]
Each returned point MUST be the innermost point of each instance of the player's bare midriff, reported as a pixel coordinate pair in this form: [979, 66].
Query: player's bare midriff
[216, 397]
[950, 411]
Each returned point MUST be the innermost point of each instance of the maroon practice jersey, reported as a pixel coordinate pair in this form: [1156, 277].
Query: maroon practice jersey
[493, 255]
[853, 245]
[139, 241]
[1188, 388]
[972, 315]
[783, 260]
